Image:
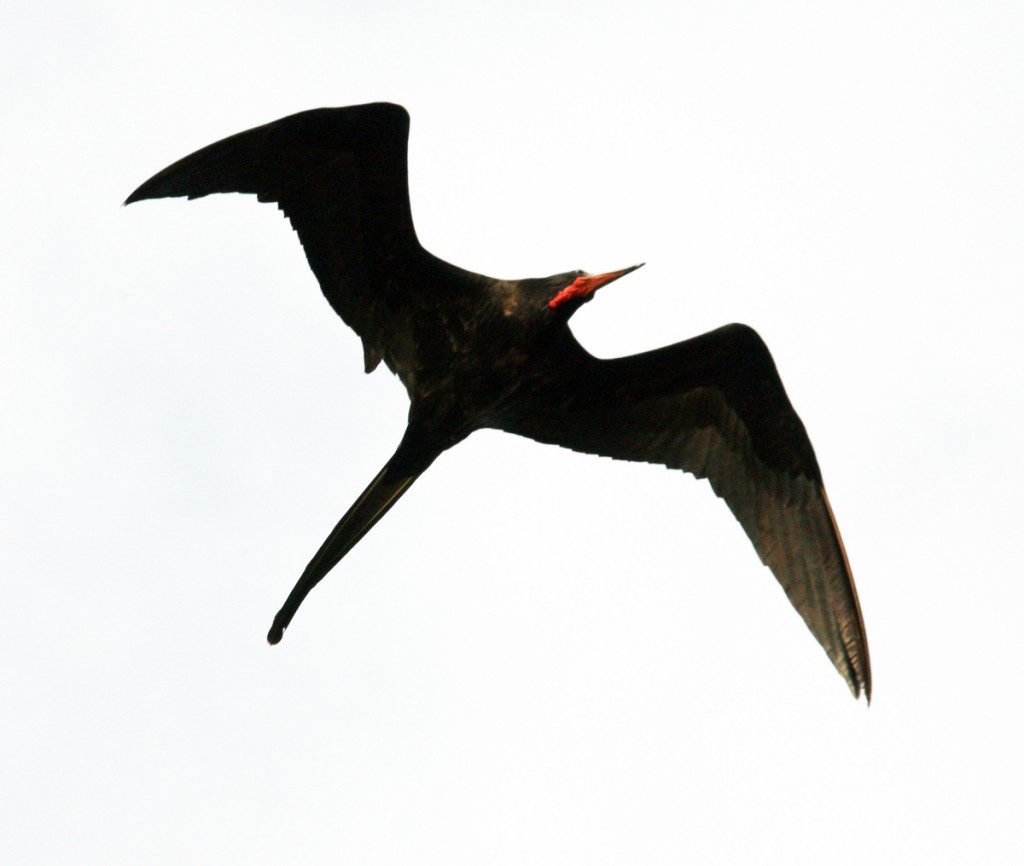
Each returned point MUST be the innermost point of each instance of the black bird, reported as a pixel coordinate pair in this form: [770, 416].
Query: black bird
[476, 352]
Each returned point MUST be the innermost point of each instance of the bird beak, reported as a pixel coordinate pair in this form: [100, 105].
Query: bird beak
[583, 287]
[593, 282]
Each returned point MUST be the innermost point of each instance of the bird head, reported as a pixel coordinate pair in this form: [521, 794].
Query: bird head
[582, 288]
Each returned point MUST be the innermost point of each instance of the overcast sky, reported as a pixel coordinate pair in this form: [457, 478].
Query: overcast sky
[538, 657]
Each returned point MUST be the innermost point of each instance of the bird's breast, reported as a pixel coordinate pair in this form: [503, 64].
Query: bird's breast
[460, 364]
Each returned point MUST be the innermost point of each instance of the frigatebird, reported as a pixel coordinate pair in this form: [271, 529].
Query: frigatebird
[476, 352]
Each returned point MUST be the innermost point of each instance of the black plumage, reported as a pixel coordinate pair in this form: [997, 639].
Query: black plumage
[475, 352]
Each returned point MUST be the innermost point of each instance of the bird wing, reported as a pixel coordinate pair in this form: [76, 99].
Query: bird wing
[341, 177]
[715, 406]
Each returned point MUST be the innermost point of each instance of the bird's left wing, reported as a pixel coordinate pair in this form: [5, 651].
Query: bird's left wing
[715, 406]
[341, 177]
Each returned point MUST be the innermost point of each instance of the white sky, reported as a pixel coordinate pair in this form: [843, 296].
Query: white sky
[537, 657]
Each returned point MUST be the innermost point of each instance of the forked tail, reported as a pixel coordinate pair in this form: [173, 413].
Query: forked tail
[383, 492]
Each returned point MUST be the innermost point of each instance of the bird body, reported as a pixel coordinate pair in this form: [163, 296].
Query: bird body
[475, 352]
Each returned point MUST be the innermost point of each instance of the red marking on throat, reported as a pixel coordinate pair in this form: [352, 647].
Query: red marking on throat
[584, 286]
[581, 287]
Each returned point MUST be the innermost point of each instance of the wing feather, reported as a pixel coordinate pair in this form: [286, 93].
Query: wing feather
[341, 177]
[715, 406]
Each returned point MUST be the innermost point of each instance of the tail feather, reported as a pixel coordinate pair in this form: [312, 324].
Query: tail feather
[383, 492]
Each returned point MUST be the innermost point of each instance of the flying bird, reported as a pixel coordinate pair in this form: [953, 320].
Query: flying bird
[477, 352]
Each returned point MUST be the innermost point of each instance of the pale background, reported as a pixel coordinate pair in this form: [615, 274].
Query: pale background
[538, 657]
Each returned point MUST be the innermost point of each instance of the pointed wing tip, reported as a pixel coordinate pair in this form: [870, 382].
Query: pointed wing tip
[864, 678]
[858, 679]
[142, 193]
[858, 688]
[866, 687]
[154, 188]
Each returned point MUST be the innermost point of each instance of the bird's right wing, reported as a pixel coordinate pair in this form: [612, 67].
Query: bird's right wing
[341, 177]
[715, 406]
